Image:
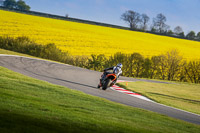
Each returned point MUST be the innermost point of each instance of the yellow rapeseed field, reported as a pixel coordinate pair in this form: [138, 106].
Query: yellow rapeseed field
[85, 39]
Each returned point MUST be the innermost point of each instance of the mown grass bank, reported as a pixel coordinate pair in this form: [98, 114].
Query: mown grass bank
[12, 53]
[30, 105]
[184, 96]
[8, 52]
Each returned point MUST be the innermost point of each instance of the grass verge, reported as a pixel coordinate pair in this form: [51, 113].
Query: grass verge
[8, 52]
[30, 105]
[184, 96]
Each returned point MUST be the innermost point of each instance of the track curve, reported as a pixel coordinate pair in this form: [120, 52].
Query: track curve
[86, 81]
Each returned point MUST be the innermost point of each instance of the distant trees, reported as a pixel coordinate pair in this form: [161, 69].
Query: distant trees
[198, 35]
[67, 15]
[182, 35]
[20, 4]
[170, 32]
[159, 23]
[140, 22]
[191, 35]
[132, 18]
[136, 20]
[178, 30]
[9, 3]
[144, 20]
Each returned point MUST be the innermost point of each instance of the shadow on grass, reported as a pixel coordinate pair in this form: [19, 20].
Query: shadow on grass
[22, 123]
[178, 98]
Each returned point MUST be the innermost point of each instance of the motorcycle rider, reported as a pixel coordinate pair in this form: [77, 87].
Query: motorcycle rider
[117, 70]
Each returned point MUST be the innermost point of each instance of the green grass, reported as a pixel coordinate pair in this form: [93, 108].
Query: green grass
[30, 105]
[185, 96]
[8, 52]
[3, 51]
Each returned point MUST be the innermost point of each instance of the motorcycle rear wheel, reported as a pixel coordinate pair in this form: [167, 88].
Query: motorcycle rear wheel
[105, 86]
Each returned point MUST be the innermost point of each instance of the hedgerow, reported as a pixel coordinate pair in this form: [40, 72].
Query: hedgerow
[169, 66]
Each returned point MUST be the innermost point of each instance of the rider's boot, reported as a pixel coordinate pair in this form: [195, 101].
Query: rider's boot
[113, 83]
[99, 85]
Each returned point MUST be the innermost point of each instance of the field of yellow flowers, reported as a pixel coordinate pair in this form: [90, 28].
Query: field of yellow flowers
[85, 39]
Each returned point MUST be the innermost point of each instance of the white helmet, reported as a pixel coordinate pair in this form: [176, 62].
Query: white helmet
[119, 65]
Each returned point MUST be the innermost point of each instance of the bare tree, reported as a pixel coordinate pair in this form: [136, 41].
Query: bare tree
[166, 29]
[132, 18]
[178, 30]
[144, 20]
[159, 23]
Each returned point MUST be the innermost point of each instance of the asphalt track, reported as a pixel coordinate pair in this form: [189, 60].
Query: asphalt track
[86, 81]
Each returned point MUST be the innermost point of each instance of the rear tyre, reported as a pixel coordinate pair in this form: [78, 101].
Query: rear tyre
[105, 86]
[98, 86]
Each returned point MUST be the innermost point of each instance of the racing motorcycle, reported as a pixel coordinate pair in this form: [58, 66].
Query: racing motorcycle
[107, 80]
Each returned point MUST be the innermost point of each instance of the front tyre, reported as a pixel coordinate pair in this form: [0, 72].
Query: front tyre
[106, 84]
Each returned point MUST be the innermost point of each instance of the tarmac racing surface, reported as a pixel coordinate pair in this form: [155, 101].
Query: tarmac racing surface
[86, 81]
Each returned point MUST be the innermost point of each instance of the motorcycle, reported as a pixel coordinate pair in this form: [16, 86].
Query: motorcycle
[107, 80]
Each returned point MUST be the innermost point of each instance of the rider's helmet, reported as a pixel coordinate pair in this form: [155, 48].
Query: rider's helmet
[119, 65]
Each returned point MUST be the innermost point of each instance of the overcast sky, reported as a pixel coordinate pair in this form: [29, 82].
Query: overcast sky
[185, 13]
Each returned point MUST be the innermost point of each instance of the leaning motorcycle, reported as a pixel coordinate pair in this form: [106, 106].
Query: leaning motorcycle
[107, 81]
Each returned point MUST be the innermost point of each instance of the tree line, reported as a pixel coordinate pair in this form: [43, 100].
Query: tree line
[169, 66]
[13, 4]
[137, 21]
